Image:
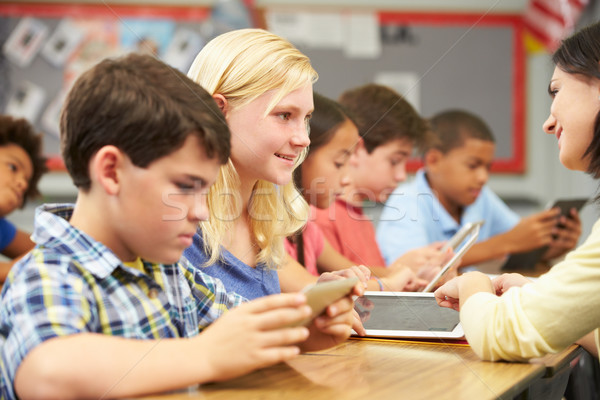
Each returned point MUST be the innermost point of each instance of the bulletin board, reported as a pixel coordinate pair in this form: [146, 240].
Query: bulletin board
[446, 61]
[45, 47]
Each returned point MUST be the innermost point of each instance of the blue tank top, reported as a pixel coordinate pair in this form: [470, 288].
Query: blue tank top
[236, 275]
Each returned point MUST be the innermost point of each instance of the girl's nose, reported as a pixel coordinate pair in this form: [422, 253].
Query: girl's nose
[300, 137]
[549, 125]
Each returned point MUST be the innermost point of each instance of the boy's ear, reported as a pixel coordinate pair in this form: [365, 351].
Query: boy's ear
[105, 169]
[221, 102]
[432, 158]
[359, 148]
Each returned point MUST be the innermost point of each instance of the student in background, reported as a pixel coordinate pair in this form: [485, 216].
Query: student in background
[511, 318]
[389, 128]
[21, 166]
[95, 310]
[321, 178]
[263, 86]
[450, 191]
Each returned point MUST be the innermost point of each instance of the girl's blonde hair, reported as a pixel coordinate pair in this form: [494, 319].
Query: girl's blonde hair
[242, 65]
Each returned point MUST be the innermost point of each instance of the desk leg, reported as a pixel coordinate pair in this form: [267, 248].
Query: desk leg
[550, 388]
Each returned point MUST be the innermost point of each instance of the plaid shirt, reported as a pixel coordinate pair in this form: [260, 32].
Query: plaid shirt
[70, 283]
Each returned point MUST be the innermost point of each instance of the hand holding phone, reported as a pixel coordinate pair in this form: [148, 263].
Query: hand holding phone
[321, 295]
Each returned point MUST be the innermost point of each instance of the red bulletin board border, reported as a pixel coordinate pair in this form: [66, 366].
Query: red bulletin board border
[515, 164]
[60, 10]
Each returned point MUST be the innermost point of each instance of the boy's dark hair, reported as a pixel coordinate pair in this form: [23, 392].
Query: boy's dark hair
[382, 115]
[143, 107]
[21, 133]
[450, 129]
[580, 55]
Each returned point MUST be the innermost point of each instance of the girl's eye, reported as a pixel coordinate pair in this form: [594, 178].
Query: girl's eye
[13, 167]
[285, 116]
[186, 187]
[553, 93]
[338, 165]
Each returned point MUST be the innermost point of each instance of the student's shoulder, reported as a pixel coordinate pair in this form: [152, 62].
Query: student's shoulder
[47, 272]
[209, 292]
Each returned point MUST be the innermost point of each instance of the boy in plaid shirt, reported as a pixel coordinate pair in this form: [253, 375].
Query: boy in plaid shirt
[99, 306]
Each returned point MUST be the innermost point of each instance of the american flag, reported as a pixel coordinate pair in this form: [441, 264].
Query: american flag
[550, 21]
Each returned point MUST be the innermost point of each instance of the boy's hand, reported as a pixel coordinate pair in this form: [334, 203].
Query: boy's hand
[533, 231]
[334, 326]
[505, 281]
[254, 335]
[403, 280]
[426, 256]
[566, 235]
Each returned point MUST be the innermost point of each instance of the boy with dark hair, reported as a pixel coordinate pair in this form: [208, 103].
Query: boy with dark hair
[21, 166]
[389, 128]
[95, 309]
[450, 191]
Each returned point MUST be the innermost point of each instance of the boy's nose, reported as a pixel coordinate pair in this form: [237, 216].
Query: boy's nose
[344, 180]
[483, 175]
[400, 174]
[199, 211]
[22, 183]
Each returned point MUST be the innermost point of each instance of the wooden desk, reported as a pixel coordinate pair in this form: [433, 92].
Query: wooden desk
[378, 369]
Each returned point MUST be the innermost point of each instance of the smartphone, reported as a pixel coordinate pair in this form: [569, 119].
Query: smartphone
[565, 205]
[473, 233]
[320, 295]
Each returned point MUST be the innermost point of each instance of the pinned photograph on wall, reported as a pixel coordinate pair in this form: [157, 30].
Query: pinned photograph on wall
[50, 120]
[25, 41]
[183, 49]
[27, 101]
[406, 83]
[101, 41]
[62, 43]
[146, 36]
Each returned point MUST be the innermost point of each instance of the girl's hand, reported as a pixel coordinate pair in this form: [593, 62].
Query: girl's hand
[447, 295]
[505, 281]
[363, 273]
[455, 292]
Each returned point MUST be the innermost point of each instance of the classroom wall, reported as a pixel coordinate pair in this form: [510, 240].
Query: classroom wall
[544, 178]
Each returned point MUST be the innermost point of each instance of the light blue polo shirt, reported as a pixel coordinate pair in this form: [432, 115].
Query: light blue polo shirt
[413, 217]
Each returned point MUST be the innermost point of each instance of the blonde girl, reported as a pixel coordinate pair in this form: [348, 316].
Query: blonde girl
[263, 86]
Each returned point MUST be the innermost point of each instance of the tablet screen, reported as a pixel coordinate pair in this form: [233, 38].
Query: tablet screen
[401, 312]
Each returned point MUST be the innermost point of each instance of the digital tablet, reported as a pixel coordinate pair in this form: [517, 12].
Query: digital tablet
[407, 315]
[460, 236]
[320, 295]
[528, 259]
[470, 231]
